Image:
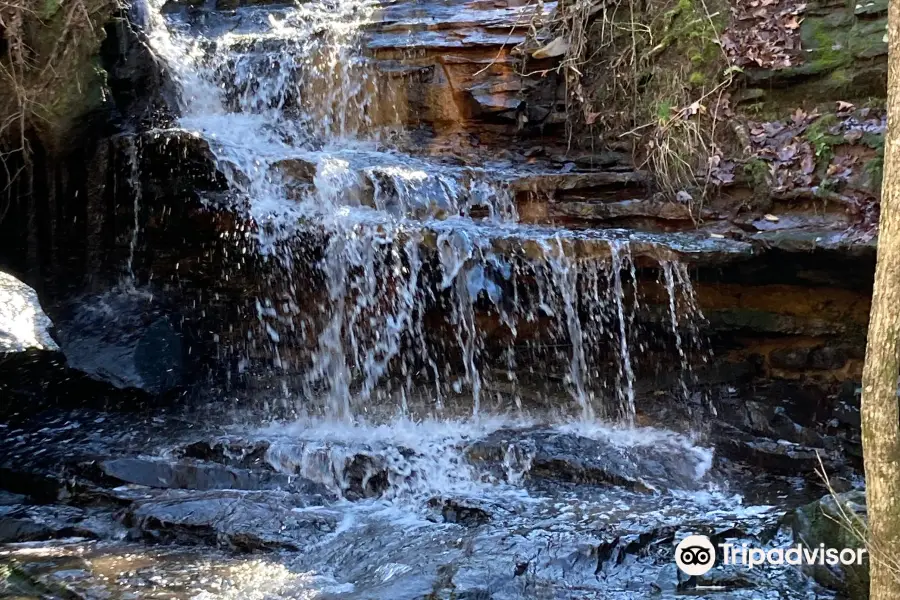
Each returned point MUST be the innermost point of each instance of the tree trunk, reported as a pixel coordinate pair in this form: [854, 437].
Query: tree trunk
[880, 413]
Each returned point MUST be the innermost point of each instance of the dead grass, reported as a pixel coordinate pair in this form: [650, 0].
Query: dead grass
[47, 50]
[48, 76]
[653, 74]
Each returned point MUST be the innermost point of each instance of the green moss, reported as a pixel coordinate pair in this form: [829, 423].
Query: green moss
[697, 79]
[875, 141]
[664, 111]
[825, 522]
[874, 172]
[822, 140]
[49, 8]
[757, 172]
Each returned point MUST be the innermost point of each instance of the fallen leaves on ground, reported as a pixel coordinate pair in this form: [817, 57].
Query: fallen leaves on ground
[764, 33]
[803, 157]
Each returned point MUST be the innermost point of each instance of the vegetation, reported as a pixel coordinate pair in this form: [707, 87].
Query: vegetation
[662, 65]
[49, 75]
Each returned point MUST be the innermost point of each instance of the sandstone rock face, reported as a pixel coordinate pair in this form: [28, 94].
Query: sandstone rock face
[784, 299]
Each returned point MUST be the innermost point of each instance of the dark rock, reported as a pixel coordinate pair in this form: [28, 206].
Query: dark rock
[124, 337]
[657, 464]
[47, 522]
[779, 457]
[828, 357]
[231, 452]
[460, 512]
[790, 358]
[161, 473]
[9, 499]
[768, 419]
[245, 521]
[176, 5]
[837, 522]
[14, 529]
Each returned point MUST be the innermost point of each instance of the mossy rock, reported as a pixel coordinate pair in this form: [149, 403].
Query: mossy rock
[821, 522]
[845, 57]
[870, 7]
[840, 37]
[64, 72]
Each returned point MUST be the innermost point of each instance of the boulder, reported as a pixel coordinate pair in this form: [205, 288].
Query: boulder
[834, 521]
[243, 521]
[125, 338]
[31, 365]
[23, 523]
[23, 324]
[605, 458]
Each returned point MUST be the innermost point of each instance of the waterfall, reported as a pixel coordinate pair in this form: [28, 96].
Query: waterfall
[132, 154]
[301, 124]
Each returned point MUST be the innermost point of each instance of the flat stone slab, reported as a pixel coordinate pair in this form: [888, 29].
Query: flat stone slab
[601, 459]
[242, 521]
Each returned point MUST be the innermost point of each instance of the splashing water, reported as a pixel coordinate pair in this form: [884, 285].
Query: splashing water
[132, 153]
[300, 123]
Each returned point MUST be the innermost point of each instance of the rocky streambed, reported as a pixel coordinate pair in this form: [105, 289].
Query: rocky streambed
[172, 505]
[340, 312]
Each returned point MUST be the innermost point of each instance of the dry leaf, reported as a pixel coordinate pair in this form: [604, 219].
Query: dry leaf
[557, 47]
[808, 165]
[683, 197]
[842, 106]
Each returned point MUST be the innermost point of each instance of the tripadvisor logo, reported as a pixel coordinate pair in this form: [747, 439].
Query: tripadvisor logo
[696, 555]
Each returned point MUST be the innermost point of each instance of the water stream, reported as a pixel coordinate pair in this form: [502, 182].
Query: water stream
[301, 123]
[469, 400]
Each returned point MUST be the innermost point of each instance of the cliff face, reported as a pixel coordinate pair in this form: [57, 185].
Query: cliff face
[761, 128]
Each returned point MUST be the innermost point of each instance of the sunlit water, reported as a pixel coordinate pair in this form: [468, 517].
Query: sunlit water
[302, 126]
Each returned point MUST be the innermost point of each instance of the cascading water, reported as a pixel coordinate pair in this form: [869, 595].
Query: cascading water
[132, 153]
[393, 279]
[301, 125]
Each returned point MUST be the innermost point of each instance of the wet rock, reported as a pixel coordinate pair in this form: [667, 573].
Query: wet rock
[602, 460]
[551, 182]
[245, 522]
[34, 523]
[780, 457]
[23, 324]
[176, 5]
[602, 211]
[15, 529]
[352, 473]
[764, 417]
[9, 499]
[231, 452]
[33, 372]
[460, 512]
[160, 473]
[125, 338]
[837, 522]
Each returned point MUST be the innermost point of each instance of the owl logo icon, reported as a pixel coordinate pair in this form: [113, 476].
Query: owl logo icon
[695, 555]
